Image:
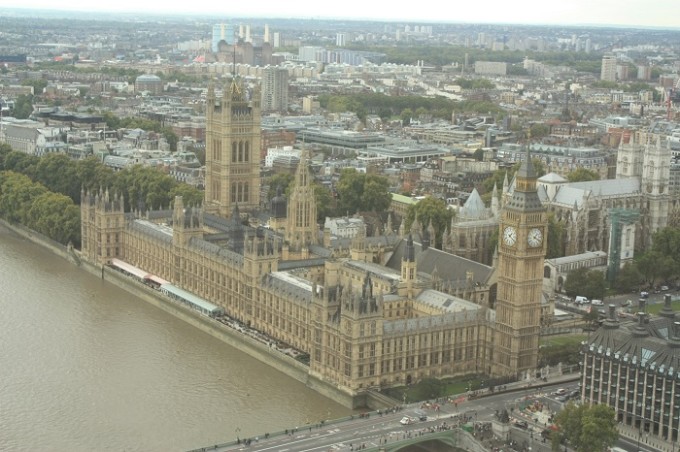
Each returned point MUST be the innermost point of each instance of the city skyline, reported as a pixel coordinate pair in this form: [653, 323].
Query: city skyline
[632, 13]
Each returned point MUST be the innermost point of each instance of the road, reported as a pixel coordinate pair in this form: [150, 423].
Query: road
[378, 429]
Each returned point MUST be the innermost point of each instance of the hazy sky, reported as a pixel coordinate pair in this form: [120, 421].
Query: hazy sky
[657, 13]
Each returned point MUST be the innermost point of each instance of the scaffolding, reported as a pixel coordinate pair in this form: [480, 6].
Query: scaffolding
[618, 218]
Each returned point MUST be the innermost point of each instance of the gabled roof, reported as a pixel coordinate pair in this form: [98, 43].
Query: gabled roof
[449, 266]
[577, 192]
[552, 178]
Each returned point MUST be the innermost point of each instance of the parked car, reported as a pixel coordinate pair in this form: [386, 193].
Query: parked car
[597, 303]
[644, 294]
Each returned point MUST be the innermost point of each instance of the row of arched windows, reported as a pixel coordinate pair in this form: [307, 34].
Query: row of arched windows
[240, 151]
[240, 192]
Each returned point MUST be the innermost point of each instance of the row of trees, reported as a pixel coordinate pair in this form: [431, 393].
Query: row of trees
[661, 263]
[62, 178]
[392, 106]
[34, 206]
[114, 122]
[354, 192]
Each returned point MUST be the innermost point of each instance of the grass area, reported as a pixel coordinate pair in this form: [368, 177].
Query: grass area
[655, 308]
[429, 389]
[560, 341]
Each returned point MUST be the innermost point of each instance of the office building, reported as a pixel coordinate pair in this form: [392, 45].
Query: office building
[274, 89]
[608, 70]
[222, 33]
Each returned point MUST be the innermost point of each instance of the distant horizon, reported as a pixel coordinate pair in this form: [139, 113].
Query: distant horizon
[578, 13]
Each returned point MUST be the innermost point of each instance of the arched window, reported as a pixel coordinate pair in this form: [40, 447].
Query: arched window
[234, 191]
[247, 152]
[245, 192]
[546, 271]
[240, 151]
[233, 152]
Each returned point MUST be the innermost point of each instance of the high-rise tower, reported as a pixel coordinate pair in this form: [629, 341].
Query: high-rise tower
[222, 32]
[522, 247]
[232, 154]
[274, 89]
[608, 69]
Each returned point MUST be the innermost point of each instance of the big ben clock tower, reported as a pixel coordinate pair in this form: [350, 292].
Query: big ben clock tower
[521, 251]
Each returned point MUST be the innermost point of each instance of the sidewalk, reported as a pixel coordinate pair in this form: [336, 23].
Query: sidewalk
[646, 441]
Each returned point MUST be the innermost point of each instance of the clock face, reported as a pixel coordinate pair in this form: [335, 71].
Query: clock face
[509, 236]
[535, 237]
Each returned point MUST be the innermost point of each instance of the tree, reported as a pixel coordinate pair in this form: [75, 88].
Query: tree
[362, 192]
[406, 115]
[582, 175]
[55, 216]
[324, 202]
[376, 196]
[58, 173]
[666, 242]
[556, 235]
[478, 154]
[539, 130]
[281, 180]
[586, 428]
[596, 285]
[629, 278]
[431, 211]
[17, 193]
[23, 106]
[647, 264]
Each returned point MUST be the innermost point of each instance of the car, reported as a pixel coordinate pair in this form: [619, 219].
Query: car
[420, 414]
[522, 424]
[664, 288]
[644, 294]
[407, 420]
[581, 300]
[561, 391]
[597, 303]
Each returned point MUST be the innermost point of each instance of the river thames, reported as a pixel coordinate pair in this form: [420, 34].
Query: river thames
[85, 365]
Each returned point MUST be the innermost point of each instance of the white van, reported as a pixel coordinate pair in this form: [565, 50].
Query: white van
[597, 303]
[581, 300]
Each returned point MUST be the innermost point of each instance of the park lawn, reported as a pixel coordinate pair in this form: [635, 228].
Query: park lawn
[655, 308]
[559, 341]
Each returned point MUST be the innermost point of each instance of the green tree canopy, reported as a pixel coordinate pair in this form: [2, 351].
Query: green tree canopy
[362, 192]
[430, 211]
[586, 428]
[283, 180]
[582, 175]
[556, 237]
[628, 279]
[17, 193]
[56, 216]
[585, 282]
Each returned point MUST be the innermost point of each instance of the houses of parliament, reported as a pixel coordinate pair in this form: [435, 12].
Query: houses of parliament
[371, 312]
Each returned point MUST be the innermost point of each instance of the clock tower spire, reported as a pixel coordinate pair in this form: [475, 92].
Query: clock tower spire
[522, 247]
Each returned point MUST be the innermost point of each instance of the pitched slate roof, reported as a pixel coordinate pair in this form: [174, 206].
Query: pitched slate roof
[449, 266]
